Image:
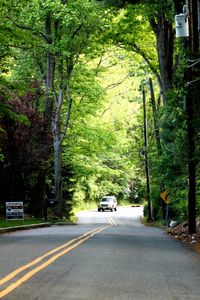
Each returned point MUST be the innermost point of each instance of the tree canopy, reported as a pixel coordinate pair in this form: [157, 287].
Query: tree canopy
[77, 79]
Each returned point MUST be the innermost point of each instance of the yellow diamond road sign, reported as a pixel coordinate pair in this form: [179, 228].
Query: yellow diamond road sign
[165, 196]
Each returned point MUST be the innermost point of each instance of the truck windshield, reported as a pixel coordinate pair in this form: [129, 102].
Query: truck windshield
[106, 200]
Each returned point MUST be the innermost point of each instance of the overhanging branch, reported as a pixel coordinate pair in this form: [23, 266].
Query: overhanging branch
[28, 28]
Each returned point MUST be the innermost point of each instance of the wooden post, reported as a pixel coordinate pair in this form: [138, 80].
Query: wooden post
[193, 46]
[150, 207]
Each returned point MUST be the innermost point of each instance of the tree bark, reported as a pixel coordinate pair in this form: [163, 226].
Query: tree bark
[192, 98]
[191, 162]
[165, 39]
[198, 3]
[38, 196]
[50, 72]
[58, 154]
[154, 111]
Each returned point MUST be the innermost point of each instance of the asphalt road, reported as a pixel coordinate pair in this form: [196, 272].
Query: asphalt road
[107, 256]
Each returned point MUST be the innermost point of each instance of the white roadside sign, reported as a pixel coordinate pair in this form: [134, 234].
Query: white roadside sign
[14, 211]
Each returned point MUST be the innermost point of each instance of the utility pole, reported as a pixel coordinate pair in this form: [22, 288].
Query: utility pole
[187, 26]
[191, 157]
[193, 46]
[150, 207]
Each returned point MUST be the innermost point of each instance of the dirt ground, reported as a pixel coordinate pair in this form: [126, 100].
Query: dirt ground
[180, 232]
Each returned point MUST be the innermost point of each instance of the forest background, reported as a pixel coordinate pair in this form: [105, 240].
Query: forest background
[95, 100]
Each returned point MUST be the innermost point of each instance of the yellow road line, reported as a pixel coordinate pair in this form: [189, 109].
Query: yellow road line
[111, 221]
[28, 275]
[37, 260]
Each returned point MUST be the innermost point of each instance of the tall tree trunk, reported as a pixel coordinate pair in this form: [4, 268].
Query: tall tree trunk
[191, 162]
[58, 173]
[58, 154]
[38, 196]
[198, 3]
[165, 40]
[49, 77]
[54, 104]
[192, 98]
[50, 72]
[154, 111]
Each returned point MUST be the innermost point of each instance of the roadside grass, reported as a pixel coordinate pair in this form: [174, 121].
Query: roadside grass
[33, 221]
[85, 206]
[12, 223]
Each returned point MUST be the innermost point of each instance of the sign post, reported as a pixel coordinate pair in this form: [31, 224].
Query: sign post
[165, 197]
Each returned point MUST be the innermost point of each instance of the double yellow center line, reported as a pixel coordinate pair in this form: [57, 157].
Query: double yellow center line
[54, 256]
[111, 221]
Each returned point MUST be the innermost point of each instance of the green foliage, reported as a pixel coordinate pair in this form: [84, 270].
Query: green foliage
[98, 147]
[12, 223]
[130, 28]
[105, 53]
[165, 7]
[24, 143]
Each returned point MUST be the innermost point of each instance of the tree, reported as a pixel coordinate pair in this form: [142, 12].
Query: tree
[60, 33]
[99, 155]
[25, 146]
